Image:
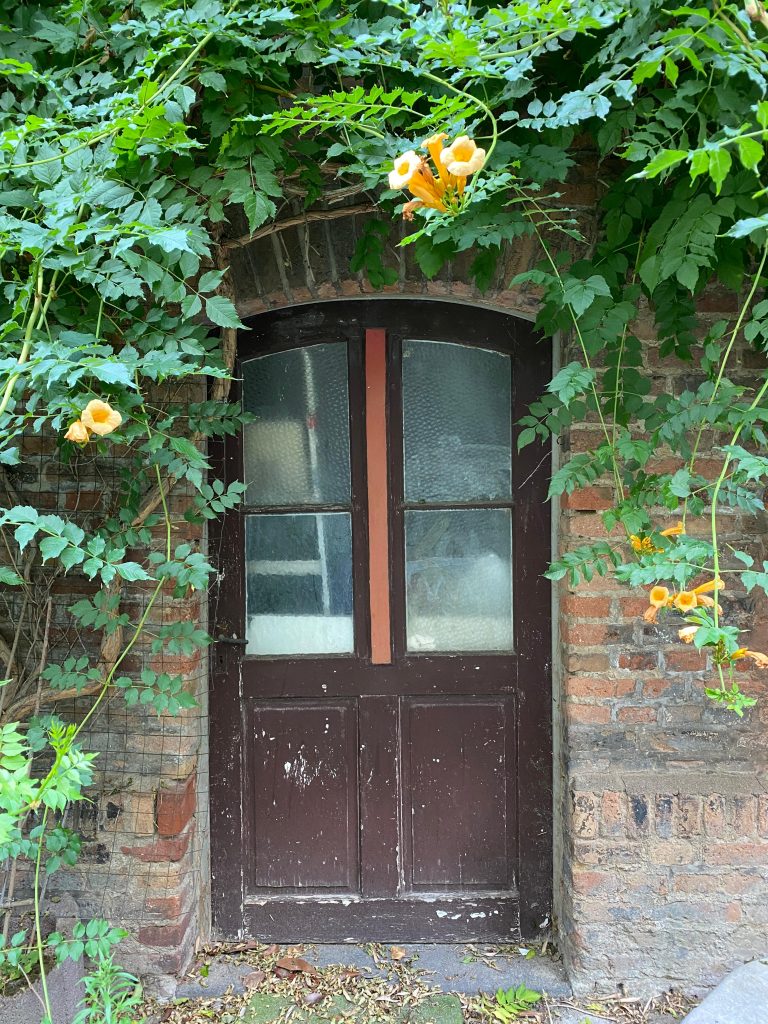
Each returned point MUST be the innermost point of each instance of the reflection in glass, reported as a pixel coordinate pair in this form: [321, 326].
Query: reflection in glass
[457, 422]
[458, 571]
[296, 451]
[298, 583]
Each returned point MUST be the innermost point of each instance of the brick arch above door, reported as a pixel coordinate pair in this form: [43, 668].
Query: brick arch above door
[310, 262]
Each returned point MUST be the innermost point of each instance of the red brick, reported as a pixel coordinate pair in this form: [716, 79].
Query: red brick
[637, 715]
[655, 687]
[591, 882]
[175, 807]
[613, 813]
[585, 634]
[633, 607]
[639, 662]
[736, 853]
[588, 714]
[578, 661]
[598, 686]
[685, 661]
[584, 524]
[164, 934]
[589, 499]
[165, 906]
[583, 607]
[160, 851]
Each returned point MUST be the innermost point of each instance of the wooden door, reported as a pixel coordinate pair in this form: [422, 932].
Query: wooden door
[380, 688]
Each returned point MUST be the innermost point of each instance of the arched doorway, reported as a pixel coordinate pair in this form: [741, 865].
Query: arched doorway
[380, 686]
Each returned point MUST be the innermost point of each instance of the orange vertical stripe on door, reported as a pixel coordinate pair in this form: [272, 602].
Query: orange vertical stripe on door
[378, 493]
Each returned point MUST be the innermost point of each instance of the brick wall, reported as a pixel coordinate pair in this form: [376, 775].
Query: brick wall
[660, 802]
[664, 864]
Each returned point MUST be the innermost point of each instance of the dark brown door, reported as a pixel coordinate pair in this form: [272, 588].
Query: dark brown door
[380, 692]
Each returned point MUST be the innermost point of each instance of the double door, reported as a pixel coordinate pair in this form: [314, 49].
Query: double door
[380, 685]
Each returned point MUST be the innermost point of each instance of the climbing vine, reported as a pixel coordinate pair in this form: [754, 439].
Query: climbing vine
[130, 132]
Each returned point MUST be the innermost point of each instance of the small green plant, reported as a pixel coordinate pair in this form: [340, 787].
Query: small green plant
[509, 1004]
[112, 995]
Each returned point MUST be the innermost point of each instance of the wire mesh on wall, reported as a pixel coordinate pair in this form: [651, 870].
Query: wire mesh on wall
[143, 862]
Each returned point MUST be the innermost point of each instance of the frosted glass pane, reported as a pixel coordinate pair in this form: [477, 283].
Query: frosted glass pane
[458, 570]
[296, 452]
[457, 422]
[298, 583]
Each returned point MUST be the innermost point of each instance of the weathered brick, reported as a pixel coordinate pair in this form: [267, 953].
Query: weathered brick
[736, 853]
[638, 818]
[161, 850]
[714, 815]
[684, 661]
[588, 714]
[637, 715]
[165, 934]
[689, 815]
[580, 661]
[175, 806]
[598, 686]
[584, 816]
[663, 815]
[636, 662]
[613, 813]
[588, 499]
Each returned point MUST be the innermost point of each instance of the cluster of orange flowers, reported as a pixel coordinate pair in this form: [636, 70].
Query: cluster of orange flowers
[96, 418]
[686, 600]
[442, 188]
[645, 546]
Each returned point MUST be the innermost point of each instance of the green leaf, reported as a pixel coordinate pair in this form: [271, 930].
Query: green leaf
[662, 162]
[52, 547]
[221, 311]
[750, 153]
[720, 161]
[9, 578]
[258, 209]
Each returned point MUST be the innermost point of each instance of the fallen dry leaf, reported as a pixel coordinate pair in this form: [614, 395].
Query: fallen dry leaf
[313, 997]
[397, 952]
[254, 979]
[295, 965]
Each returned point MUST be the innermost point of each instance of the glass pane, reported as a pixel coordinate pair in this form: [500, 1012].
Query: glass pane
[457, 422]
[298, 583]
[296, 452]
[458, 572]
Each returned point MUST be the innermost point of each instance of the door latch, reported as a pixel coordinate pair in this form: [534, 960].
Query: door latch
[236, 641]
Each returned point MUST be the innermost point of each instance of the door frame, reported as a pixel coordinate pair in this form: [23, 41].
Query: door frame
[532, 592]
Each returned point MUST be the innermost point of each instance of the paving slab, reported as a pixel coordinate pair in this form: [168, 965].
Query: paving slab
[741, 998]
[446, 969]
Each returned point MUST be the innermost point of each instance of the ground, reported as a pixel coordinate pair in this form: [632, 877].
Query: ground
[376, 984]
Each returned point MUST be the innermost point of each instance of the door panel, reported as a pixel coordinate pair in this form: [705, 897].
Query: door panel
[380, 720]
[455, 793]
[302, 779]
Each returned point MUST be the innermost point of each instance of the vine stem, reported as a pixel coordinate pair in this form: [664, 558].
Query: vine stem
[713, 511]
[587, 362]
[26, 348]
[724, 362]
[38, 931]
